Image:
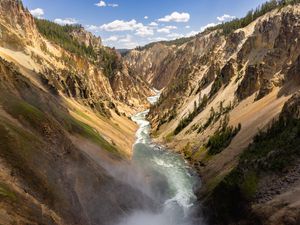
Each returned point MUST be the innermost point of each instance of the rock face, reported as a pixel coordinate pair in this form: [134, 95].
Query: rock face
[45, 177]
[58, 132]
[87, 38]
[76, 76]
[245, 77]
[250, 83]
[155, 65]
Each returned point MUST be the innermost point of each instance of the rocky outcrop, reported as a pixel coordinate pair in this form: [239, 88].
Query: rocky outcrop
[250, 83]
[227, 72]
[86, 38]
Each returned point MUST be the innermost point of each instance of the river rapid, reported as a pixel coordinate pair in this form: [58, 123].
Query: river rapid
[168, 176]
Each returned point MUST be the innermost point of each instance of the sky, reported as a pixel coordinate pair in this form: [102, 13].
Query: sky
[131, 23]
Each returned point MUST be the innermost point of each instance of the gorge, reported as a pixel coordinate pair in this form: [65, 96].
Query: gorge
[86, 138]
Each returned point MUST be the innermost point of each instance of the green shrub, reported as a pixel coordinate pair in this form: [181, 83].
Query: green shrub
[187, 120]
[221, 139]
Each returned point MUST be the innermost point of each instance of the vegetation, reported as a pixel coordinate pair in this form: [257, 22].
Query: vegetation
[215, 116]
[197, 109]
[19, 147]
[61, 35]
[222, 138]
[6, 192]
[228, 27]
[25, 112]
[31, 116]
[216, 86]
[277, 147]
[176, 42]
[110, 62]
[272, 151]
[75, 126]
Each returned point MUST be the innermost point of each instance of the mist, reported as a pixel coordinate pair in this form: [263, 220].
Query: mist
[162, 176]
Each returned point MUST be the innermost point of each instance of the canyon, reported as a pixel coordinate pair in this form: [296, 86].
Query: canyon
[227, 111]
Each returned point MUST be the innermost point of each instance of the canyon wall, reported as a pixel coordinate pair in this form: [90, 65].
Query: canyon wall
[220, 90]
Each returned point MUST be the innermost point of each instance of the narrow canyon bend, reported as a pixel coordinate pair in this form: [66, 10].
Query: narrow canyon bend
[201, 130]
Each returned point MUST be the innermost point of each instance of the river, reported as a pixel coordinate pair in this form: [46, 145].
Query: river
[169, 177]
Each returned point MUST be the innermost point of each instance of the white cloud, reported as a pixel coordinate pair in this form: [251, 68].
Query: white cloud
[187, 27]
[146, 17]
[220, 19]
[175, 35]
[144, 31]
[92, 28]
[176, 17]
[113, 5]
[166, 29]
[192, 33]
[132, 25]
[153, 24]
[158, 39]
[128, 42]
[120, 41]
[38, 12]
[126, 39]
[121, 25]
[101, 4]
[111, 38]
[225, 17]
[203, 28]
[67, 21]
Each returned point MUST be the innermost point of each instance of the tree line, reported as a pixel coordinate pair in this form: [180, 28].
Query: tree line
[228, 27]
[61, 35]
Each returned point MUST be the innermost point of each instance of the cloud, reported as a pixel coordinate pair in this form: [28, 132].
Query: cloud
[121, 25]
[144, 31]
[192, 33]
[175, 35]
[225, 17]
[92, 28]
[146, 17]
[203, 28]
[176, 17]
[153, 24]
[132, 25]
[166, 29]
[113, 5]
[111, 38]
[38, 12]
[187, 27]
[67, 21]
[103, 4]
[120, 41]
[127, 42]
[158, 39]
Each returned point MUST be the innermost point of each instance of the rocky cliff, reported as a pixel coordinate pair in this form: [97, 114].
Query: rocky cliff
[220, 89]
[64, 127]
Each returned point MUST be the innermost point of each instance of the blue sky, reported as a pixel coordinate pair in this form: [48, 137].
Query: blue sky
[129, 23]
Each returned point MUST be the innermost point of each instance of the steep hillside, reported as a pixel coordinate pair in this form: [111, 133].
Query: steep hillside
[221, 88]
[90, 78]
[64, 106]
